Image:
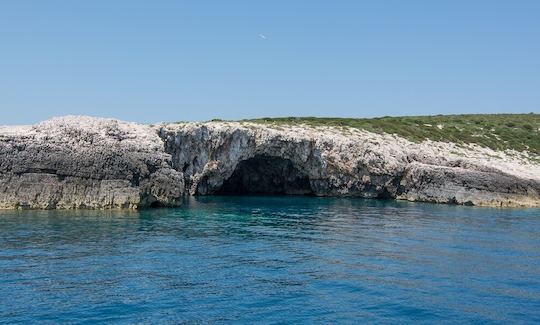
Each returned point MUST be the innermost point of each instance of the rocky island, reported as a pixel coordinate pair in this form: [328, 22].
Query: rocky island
[85, 162]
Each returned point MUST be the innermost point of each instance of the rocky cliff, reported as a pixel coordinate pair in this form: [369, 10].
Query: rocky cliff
[84, 162]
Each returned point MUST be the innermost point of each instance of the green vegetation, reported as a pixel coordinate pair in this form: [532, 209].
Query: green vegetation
[520, 132]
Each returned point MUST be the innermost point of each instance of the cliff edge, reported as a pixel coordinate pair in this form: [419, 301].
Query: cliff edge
[85, 162]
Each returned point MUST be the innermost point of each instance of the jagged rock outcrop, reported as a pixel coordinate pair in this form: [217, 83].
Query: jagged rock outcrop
[217, 157]
[84, 162]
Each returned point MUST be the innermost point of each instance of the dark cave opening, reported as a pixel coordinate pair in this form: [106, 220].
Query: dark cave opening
[156, 204]
[266, 175]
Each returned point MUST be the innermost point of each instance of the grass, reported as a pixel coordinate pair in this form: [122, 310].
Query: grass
[519, 132]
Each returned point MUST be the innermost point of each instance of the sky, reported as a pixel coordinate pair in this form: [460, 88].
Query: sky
[151, 61]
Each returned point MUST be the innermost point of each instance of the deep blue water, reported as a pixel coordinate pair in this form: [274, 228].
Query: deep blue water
[272, 260]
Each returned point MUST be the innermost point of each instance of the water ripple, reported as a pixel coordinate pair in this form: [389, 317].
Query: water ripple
[272, 260]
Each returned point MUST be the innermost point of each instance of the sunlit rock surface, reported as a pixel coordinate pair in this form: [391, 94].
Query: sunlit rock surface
[345, 162]
[85, 162]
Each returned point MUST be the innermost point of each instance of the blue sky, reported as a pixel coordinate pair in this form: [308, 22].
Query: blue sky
[152, 61]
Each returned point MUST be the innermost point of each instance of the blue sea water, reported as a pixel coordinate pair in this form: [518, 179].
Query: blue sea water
[272, 260]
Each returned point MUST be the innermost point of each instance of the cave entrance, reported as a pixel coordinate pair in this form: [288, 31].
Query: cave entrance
[155, 204]
[266, 175]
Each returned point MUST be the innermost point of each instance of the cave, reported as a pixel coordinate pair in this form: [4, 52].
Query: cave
[156, 204]
[266, 175]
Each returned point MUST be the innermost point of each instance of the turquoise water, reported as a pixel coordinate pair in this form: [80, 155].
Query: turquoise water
[272, 260]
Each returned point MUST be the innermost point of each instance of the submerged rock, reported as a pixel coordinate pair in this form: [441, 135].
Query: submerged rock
[84, 162]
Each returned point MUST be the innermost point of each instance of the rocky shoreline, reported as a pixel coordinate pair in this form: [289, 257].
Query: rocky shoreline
[84, 162]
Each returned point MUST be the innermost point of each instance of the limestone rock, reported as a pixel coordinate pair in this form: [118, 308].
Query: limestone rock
[221, 157]
[85, 162]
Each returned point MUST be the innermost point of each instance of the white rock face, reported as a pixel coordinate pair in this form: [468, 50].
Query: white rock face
[346, 162]
[85, 162]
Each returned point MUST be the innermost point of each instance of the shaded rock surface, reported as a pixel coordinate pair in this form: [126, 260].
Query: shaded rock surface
[266, 175]
[85, 162]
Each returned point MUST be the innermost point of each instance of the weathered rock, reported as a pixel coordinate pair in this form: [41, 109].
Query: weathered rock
[84, 162]
[229, 157]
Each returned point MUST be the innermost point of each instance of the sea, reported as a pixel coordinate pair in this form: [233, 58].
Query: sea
[272, 260]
